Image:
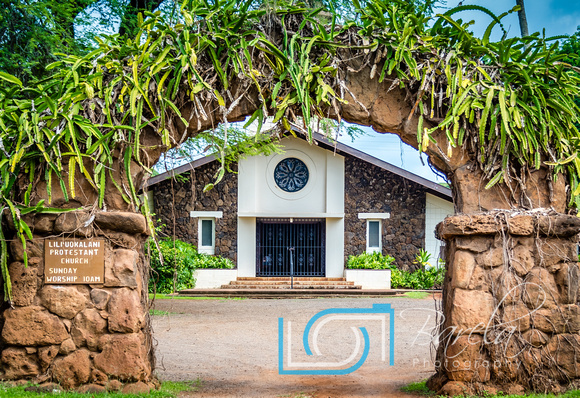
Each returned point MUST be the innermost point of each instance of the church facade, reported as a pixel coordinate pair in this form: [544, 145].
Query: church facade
[303, 211]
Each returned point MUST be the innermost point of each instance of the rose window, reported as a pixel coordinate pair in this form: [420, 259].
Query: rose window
[291, 175]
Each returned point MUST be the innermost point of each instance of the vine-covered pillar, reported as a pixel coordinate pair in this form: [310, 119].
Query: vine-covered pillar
[511, 305]
[500, 264]
[95, 336]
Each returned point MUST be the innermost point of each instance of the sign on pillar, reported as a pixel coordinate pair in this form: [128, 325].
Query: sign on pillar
[74, 261]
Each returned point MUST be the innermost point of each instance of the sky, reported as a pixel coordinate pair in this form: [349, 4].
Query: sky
[558, 17]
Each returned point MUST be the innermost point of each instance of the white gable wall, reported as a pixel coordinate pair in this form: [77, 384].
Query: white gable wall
[323, 197]
[436, 209]
[322, 194]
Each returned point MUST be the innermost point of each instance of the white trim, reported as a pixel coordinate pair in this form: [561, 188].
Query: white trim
[207, 214]
[334, 247]
[205, 249]
[376, 216]
[246, 246]
[380, 247]
[292, 215]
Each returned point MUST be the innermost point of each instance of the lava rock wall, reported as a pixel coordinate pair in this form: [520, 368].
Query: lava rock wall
[510, 303]
[370, 189]
[96, 337]
[174, 199]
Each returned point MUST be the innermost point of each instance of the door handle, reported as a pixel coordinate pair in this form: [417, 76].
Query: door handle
[291, 250]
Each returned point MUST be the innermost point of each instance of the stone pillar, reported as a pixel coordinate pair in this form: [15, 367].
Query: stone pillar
[510, 303]
[94, 336]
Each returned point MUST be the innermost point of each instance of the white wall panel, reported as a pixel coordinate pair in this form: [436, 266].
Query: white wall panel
[322, 197]
[436, 209]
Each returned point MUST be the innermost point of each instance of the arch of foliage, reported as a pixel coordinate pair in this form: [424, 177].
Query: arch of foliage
[511, 103]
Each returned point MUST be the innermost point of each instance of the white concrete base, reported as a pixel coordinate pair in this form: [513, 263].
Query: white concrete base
[211, 278]
[369, 278]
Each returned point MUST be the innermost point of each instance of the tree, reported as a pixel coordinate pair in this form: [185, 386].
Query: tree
[522, 18]
[33, 34]
[571, 48]
[30, 36]
[129, 17]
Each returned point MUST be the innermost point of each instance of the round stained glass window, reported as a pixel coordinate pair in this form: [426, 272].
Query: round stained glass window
[291, 175]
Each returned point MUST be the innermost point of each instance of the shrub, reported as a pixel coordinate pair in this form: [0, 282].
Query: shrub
[422, 259]
[178, 266]
[207, 261]
[370, 261]
[424, 278]
[180, 260]
[398, 278]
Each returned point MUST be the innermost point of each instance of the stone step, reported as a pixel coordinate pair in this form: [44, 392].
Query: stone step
[287, 278]
[290, 293]
[296, 282]
[281, 283]
[287, 286]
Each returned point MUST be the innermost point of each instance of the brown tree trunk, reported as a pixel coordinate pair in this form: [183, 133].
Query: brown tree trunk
[522, 18]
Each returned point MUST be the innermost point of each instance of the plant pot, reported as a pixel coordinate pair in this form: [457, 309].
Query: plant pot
[213, 278]
[369, 278]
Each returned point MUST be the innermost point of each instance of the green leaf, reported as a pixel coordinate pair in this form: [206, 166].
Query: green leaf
[4, 263]
[102, 185]
[10, 78]
[504, 114]
[220, 99]
[127, 162]
[494, 180]
[71, 176]
[26, 230]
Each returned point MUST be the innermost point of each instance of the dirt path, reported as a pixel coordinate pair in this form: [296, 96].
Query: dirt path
[232, 347]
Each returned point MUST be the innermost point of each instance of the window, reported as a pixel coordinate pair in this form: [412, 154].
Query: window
[291, 175]
[374, 230]
[374, 236]
[206, 230]
[206, 235]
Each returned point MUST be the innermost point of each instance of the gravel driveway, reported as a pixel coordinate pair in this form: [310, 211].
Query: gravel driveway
[232, 346]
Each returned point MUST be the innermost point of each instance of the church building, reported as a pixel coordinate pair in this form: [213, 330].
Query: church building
[303, 211]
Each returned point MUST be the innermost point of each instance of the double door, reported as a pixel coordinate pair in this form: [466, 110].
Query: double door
[288, 247]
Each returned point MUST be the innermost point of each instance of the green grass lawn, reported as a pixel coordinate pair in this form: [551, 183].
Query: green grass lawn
[169, 389]
[420, 389]
[160, 313]
[417, 295]
[159, 296]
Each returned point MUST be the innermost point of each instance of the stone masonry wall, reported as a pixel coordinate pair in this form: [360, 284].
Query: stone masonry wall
[175, 198]
[370, 189]
[510, 304]
[94, 336]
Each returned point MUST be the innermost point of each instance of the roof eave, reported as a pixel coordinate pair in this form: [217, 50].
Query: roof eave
[432, 187]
